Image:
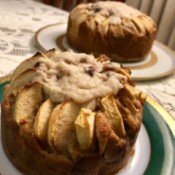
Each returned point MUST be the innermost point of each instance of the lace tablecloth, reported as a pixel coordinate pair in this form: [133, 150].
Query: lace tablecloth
[21, 19]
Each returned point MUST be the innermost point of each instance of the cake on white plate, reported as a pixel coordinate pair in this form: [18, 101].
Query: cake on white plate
[113, 28]
[67, 113]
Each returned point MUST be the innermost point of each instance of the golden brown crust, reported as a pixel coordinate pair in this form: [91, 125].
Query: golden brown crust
[131, 40]
[24, 150]
[29, 156]
[109, 148]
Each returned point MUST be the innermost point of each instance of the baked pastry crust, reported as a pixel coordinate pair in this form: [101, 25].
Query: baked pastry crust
[114, 119]
[112, 28]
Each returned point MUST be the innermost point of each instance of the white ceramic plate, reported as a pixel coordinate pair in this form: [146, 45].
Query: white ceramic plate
[154, 149]
[159, 63]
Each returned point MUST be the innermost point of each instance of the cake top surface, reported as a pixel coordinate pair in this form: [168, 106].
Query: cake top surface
[115, 11]
[80, 77]
[104, 13]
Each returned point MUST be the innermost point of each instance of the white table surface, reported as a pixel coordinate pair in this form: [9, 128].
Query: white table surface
[20, 19]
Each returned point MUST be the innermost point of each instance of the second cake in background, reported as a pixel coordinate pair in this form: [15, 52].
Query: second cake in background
[111, 28]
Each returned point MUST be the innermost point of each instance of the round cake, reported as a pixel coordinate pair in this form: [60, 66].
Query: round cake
[112, 28]
[70, 114]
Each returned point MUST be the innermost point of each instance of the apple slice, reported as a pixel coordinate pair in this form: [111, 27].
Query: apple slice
[138, 22]
[27, 64]
[27, 77]
[42, 119]
[113, 114]
[26, 104]
[103, 130]
[84, 126]
[61, 125]
[51, 54]
[30, 63]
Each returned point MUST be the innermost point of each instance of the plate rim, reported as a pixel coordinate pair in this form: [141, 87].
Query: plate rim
[166, 49]
[159, 136]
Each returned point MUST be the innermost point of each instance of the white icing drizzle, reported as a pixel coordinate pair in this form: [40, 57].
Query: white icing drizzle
[79, 77]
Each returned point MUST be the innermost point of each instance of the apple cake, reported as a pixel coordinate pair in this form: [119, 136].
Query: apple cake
[112, 28]
[68, 113]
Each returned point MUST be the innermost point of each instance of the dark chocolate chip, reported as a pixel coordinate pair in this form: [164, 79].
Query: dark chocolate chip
[90, 70]
[37, 65]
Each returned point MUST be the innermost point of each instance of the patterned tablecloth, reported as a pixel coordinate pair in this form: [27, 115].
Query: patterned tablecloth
[20, 19]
